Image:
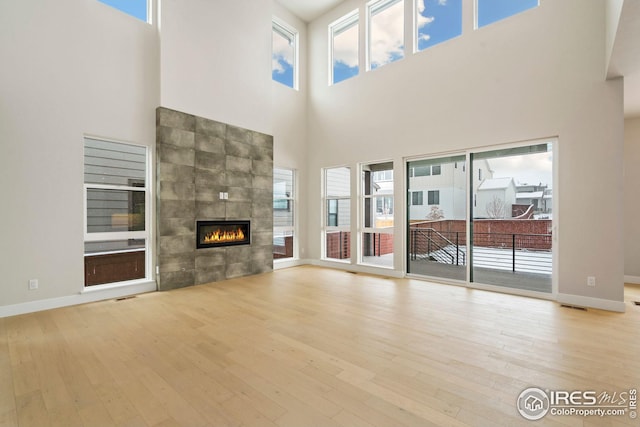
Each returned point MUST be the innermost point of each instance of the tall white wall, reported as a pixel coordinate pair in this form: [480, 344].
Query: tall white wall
[507, 82]
[216, 60]
[632, 199]
[68, 68]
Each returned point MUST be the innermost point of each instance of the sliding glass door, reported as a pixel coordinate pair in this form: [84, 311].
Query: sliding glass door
[483, 217]
[436, 207]
[512, 217]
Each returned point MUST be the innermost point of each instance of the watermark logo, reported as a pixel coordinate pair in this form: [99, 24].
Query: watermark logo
[533, 403]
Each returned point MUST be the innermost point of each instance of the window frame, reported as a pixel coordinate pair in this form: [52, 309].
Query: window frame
[432, 195]
[326, 199]
[420, 199]
[386, 199]
[291, 200]
[290, 33]
[337, 27]
[371, 9]
[113, 236]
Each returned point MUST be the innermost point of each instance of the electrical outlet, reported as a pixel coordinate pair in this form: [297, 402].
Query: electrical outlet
[33, 284]
[591, 281]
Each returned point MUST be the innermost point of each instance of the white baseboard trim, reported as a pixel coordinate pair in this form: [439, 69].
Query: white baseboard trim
[358, 268]
[582, 301]
[288, 263]
[80, 298]
[632, 279]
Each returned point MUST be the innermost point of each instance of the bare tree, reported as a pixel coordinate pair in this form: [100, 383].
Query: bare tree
[435, 214]
[496, 208]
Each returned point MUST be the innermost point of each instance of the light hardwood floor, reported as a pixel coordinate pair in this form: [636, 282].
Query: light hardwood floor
[310, 347]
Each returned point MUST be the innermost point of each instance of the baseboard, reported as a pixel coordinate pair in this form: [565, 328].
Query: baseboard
[80, 298]
[635, 280]
[288, 263]
[582, 301]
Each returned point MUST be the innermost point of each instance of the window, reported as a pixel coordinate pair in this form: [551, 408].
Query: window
[344, 44]
[433, 197]
[337, 207]
[417, 198]
[490, 11]
[377, 214]
[426, 170]
[136, 8]
[385, 32]
[479, 174]
[284, 56]
[436, 21]
[283, 214]
[116, 215]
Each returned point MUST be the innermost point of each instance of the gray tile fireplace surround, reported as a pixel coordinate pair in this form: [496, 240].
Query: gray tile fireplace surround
[196, 160]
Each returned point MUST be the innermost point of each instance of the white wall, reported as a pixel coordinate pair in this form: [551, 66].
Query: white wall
[632, 200]
[216, 60]
[68, 68]
[504, 83]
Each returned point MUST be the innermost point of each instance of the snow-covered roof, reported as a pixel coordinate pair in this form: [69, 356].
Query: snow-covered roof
[495, 183]
[530, 195]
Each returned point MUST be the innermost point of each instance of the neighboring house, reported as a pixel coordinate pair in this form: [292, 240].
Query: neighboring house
[442, 186]
[540, 196]
[494, 198]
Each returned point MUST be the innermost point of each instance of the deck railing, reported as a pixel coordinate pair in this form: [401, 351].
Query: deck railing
[519, 252]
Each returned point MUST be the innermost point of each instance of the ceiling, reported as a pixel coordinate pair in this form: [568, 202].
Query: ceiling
[625, 59]
[308, 10]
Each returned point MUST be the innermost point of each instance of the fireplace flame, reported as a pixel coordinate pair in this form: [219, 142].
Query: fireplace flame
[220, 236]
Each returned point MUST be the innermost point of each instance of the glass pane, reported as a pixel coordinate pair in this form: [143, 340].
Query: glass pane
[113, 163]
[437, 217]
[338, 182]
[114, 267]
[282, 244]
[135, 8]
[512, 211]
[338, 212]
[114, 246]
[283, 213]
[490, 11]
[377, 249]
[115, 210]
[345, 49]
[282, 183]
[283, 56]
[338, 245]
[437, 21]
[386, 32]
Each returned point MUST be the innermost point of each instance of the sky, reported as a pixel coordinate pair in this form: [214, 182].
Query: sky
[490, 11]
[527, 168]
[137, 8]
[282, 60]
[436, 20]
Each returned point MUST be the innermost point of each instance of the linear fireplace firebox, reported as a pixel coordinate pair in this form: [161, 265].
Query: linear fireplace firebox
[215, 234]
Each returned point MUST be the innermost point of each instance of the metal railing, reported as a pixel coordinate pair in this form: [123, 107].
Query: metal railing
[516, 252]
[443, 247]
